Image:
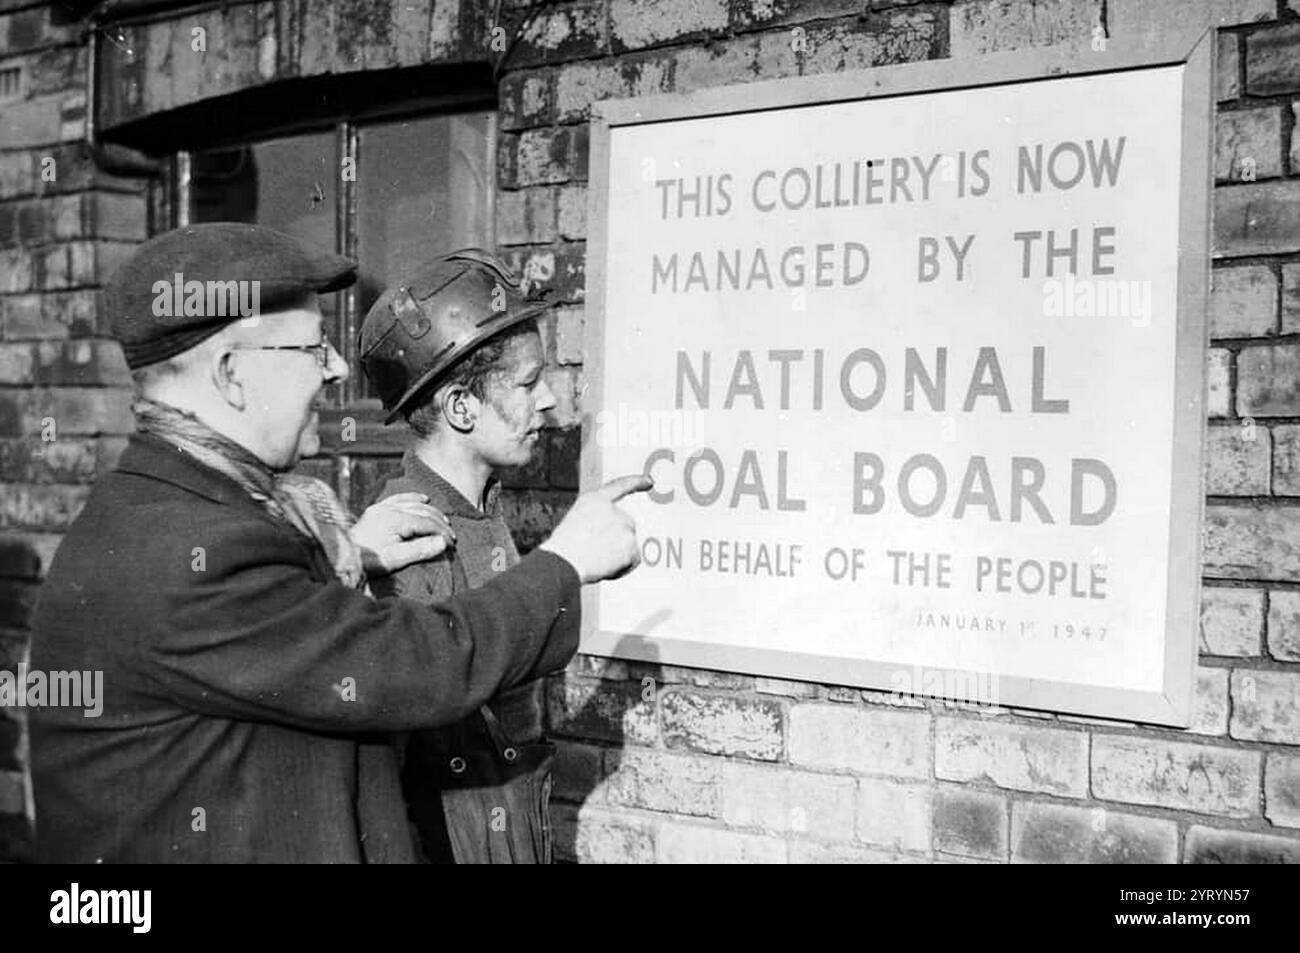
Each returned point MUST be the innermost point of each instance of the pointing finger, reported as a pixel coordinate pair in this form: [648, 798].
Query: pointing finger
[615, 490]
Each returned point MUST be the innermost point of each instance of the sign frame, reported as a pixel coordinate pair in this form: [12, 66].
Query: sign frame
[1193, 49]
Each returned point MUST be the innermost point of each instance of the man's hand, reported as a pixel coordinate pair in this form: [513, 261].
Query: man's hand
[595, 536]
[400, 530]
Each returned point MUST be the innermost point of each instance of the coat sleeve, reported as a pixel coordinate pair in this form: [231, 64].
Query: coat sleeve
[256, 636]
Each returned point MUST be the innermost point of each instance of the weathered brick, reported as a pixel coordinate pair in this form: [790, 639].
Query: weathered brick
[1248, 144]
[1218, 395]
[1227, 67]
[1286, 460]
[1273, 60]
[17, 271]
[17, 174]
[865, 740]
[1023, 757]
[31, 123]
[635, 24]
[1171, 774]
[1252, 542]
[1291, 297]
[65, 460]
[1257, 219]
[1268, 381]
[970, 823]
[568, 335]
[579, 85]
[50, 269]
[45, 316]
[812, 852]
[36, 27]
[116, 216]
[1238, 460]
[1282, 789]
[1062, 834]
[590, 835]
[1210, 702]
[17, 364]
[1284, 625]
[526, 217]
[906, 36]
[1205, 845]
[604, 711]
[892, 815]
[558, 269]
[81, 363]
[1142, 18]
[786, 687]
[25, 506]
[717, 64]
[785, 12]
[572, 209]
[545, 156]
[783, 801]
[560, 32]
[1243, 302]
[721, 724]
[527, 99]
[656, 781]
[704, 678]
[58, 70]
[977, 27]
[681, 843]
[1231, 621]
[613, 839]
[1266, 706]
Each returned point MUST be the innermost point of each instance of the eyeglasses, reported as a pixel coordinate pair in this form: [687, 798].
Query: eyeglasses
[321, 350]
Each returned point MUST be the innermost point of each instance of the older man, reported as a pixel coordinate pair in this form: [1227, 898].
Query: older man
[248, 681]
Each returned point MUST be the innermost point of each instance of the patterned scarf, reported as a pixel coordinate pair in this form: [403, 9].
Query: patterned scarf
[307, 504]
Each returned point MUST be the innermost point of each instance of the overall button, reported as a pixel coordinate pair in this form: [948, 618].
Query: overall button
[457, 765]
[511, 755]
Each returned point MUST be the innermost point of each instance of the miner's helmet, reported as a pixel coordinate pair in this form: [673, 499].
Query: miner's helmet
[417, 331]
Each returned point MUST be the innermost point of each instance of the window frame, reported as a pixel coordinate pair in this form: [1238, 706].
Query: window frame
[347, 129]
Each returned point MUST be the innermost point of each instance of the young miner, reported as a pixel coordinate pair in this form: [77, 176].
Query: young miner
[456, 352]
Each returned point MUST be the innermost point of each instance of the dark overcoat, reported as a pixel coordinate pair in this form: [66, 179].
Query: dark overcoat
[248, 693]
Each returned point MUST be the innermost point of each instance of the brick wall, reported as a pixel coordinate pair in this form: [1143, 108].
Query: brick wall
[673, 764]
[64, 389]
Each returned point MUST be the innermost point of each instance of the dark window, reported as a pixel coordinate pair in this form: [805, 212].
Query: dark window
[390, 194]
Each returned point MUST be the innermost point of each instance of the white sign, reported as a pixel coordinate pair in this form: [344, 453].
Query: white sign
[905, 372]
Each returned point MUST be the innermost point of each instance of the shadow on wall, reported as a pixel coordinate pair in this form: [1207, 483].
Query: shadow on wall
[21, 570]
[595, 719]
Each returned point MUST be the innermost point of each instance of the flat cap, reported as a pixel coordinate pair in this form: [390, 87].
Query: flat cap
[180, 288]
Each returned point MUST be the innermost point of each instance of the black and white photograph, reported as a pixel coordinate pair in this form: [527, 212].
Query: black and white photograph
[683, 432]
